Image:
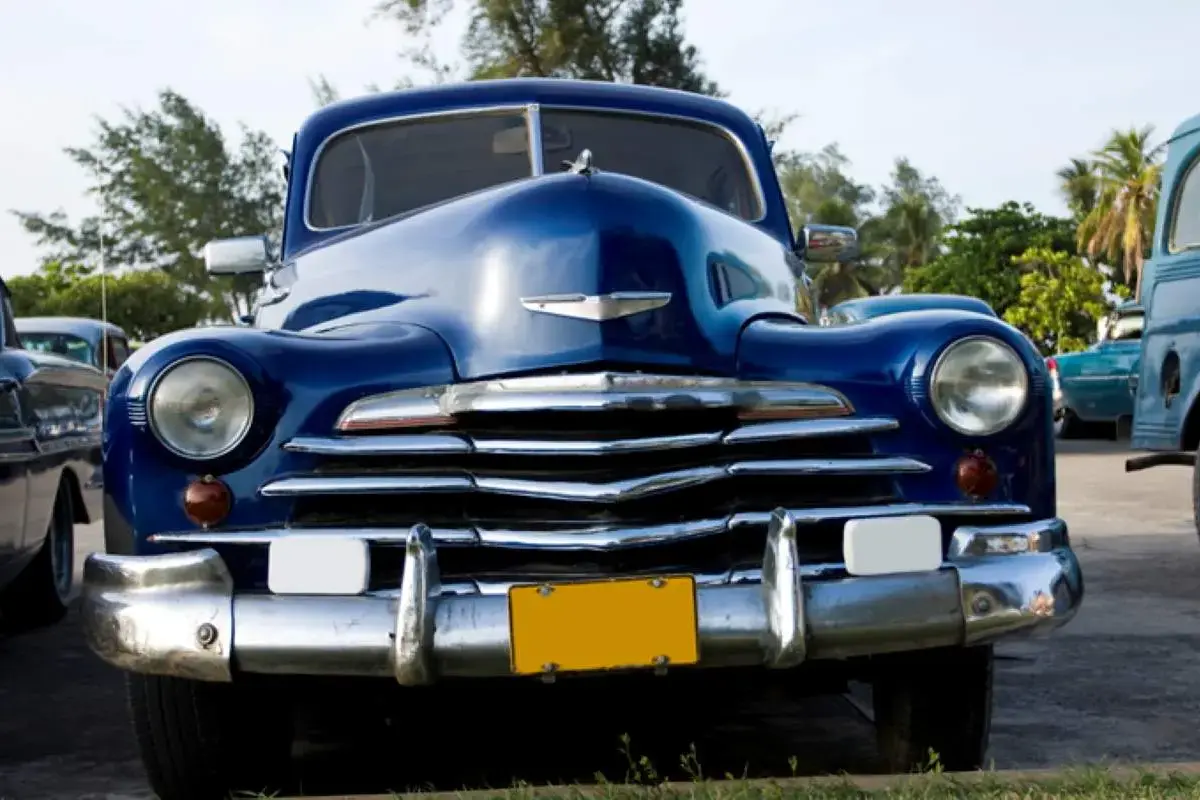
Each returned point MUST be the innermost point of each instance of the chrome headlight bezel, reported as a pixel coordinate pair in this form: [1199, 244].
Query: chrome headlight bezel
[1024, 384]
[228, 447]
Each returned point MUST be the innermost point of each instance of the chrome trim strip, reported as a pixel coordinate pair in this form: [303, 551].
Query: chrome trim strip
[422, 444]
[365, 484]
[885, 465]
[598, 537]
[533, 113]
[596, 308]
[533, 116]
[809, 429]
[462, 443]
[598, 391]
[583, 491]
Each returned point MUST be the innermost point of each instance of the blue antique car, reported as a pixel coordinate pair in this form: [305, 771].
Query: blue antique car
[864, 308]
[1166, 416]
[528, 395]
[50, 423]
[1096, 385]
[100, 344]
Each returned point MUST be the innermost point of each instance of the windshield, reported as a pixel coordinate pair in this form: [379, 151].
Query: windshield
[1126, 328]
[384, 170]
[60, 344]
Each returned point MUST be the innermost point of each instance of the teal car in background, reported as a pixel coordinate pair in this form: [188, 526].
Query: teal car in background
[1096, 386]
[864, 308]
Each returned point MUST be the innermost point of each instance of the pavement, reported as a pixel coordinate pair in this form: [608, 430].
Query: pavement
[1119, 684]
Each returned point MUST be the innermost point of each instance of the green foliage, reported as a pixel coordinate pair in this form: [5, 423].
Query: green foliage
[1061, 298]
[630, 41]
[144, 303]
[168, 182]
[899, 226]
[980, 253]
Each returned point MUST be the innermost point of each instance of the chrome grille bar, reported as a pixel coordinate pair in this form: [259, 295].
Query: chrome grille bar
[463, 443]
[599, 537]
[599, 391]
[616, 491]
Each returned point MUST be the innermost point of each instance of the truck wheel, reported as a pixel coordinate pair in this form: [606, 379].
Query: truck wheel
[1067, 425]
[40, 594]
[934, 704]
[1196, 494]
[207, 741]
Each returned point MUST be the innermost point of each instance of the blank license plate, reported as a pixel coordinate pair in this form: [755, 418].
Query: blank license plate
[616, 624]
[317, 565]
[887, 545]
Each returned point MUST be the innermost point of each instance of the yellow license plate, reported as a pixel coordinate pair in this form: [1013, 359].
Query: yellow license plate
[615, 624]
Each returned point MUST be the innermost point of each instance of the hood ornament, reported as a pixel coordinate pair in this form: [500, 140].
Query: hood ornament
[582, 165]
[597, 308]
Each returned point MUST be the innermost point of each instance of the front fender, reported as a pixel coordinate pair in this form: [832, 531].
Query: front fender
[882, 366]
[300, 381]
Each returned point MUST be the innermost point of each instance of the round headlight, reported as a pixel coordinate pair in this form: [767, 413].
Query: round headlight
[979, 386]
[201, 408]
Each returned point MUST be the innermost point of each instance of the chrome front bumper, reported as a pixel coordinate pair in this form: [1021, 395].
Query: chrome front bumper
[178, 614]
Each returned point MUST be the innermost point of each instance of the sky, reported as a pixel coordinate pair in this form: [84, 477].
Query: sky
[990, 96]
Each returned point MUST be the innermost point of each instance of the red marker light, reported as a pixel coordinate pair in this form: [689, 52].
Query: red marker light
[976, 475]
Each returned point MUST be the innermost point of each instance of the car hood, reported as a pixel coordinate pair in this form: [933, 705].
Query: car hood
[488, 271]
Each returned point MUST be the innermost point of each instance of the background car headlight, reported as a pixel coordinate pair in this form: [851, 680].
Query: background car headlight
[201, 408]
[979, 386]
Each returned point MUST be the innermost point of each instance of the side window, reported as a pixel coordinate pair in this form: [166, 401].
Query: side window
[1127, 328]
[1185, 227]
[8, 328]
[118, 351]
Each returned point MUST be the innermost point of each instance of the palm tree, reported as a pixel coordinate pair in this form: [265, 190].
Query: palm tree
[1120, 225]
[1080, 186]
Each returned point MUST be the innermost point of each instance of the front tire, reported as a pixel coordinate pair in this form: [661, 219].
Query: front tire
[934, 704]
[41, 594]
[206, 741]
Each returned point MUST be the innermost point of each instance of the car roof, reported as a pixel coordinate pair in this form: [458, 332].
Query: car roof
[379, 106]
[1190, 125]
[82, 327]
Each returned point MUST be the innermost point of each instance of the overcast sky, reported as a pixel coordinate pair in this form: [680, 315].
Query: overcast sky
[991, 96]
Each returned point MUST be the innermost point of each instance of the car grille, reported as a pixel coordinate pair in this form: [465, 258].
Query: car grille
[594, 475]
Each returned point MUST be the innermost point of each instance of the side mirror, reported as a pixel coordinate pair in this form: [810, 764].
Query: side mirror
[243, 255]
[825, 244]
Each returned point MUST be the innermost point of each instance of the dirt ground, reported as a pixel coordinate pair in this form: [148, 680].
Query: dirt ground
[1120, 683]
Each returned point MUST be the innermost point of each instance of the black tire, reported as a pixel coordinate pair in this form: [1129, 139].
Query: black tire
[41, 594]
[934, 701]
[1068, 426]
[207, 741]
[1196, 494]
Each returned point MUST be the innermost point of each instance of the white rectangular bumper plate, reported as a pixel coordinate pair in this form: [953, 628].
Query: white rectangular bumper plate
[888, 545]
[316, 565]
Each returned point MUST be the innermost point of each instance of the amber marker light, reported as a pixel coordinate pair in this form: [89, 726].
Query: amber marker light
[976, 475]
[207, 501]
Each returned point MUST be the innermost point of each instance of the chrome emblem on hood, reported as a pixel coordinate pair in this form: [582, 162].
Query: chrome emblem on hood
[597, 308]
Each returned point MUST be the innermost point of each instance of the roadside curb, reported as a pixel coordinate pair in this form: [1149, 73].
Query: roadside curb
[869, 783]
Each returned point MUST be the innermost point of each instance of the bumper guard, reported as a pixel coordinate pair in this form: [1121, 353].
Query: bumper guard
[178, 614]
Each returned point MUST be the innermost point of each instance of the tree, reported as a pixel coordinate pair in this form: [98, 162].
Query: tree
[1120, 225]
[167, 182]
[980, 253]
[144, 303]
[915, 212]
[1080, 186]
[628, 41]
[1061, 298]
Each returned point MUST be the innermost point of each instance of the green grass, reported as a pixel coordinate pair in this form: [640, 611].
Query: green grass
[642, 782]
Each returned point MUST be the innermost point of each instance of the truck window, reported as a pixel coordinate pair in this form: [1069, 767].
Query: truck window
[1185, 228]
